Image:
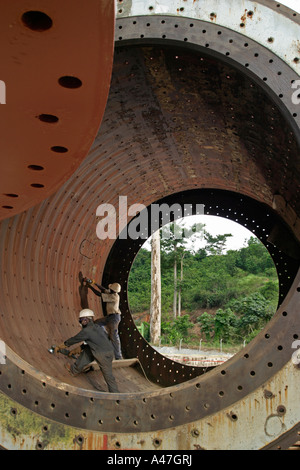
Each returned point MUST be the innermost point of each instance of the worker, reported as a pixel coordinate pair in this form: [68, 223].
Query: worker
[113, 314]
[97, 347]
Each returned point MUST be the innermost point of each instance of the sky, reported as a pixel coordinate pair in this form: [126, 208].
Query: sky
[293, 4]
[216, 225]
[219, 226]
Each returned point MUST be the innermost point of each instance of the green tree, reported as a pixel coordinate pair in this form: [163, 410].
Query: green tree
[255, 257]
[225, 322]
[216, 245]
[254, 312]
[206, 324]
[176, 330]
[174, 240]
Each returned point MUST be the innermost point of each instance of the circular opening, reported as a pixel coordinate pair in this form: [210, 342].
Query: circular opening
[70, 82]
[218, 289]
[37, 20]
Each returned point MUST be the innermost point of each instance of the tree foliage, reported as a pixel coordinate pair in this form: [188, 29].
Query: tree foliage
[239, 288]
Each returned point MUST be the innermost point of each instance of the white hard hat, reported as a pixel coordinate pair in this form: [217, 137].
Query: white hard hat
[86, 312]
[115, 287]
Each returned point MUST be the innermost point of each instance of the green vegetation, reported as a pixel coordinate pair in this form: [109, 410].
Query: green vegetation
[228, 296]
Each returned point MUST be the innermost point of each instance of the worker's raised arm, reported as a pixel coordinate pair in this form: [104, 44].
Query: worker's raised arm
[97, 292]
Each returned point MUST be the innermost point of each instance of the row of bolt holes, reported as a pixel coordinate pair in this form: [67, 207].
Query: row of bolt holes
[269, 40]
[221, 393]
[39, 21]
[156, 442]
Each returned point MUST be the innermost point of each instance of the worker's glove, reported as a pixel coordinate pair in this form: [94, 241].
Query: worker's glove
[75, 351]
[58, 348]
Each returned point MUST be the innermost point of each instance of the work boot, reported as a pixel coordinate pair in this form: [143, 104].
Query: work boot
[69, 369]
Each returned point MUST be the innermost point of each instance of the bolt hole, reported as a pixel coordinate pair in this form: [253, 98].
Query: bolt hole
[232, 416]
[59, 149]
[70, 82]
[156, 442]
[281, 410]
[37, 20]
[35, 167]
[50, 118]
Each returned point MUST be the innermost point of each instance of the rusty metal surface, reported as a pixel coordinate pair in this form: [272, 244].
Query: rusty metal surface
[54, 103]
[181, 124]
[255, 422]
[266, 22]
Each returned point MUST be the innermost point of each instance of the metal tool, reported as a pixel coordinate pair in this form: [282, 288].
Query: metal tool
[63, 351]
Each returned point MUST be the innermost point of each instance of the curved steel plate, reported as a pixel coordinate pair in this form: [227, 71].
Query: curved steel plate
[57, 73]
[179, 123]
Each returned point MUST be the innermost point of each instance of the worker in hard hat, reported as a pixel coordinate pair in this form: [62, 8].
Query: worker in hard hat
[97, 347]
[113, 314]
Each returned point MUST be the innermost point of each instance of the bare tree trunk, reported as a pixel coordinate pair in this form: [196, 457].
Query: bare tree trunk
[155, 308]
[175, 289]
[179, 292]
